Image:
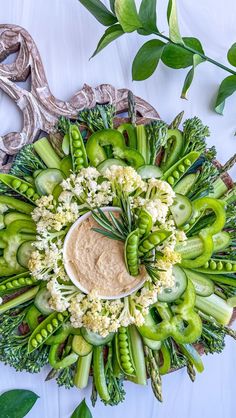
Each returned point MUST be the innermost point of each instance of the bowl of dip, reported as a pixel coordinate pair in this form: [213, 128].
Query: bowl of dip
[96, 263]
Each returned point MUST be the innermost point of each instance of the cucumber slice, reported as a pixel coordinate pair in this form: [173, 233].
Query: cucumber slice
[154, 345]
[2, 221]
[202, 285]
[149, 171]
[186, 183]
[80, 346]
[36, 172]
[170, 294]
[47, 180]
[41, 302]
[94, 338]
[181, 209]
[24, 253]
[15, 216]
[108, 163]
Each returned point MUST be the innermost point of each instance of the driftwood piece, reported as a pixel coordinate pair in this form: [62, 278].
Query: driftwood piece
[39, 107]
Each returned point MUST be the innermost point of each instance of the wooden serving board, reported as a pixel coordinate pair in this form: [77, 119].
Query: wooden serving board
[40, 108]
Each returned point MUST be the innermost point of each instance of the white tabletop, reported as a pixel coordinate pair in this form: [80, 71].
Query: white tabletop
[66, 35]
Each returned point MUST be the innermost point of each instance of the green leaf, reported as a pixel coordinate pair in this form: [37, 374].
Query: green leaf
[226, 89]
[189, 78]
[82, 411]
[147, 59]
[232, 55]
[172, 18]
[147, 15]
[175, 56]
[17, 403]
[110, 35]
[112, 5]
[127, 15]
[99, 11]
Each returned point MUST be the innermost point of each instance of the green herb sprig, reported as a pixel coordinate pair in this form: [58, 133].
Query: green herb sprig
[174, 50]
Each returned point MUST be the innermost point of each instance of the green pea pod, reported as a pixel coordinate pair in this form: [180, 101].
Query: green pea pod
[45, 329]
[55, 361]
[180, 168]
[99, 373]
[129, 129]
[131, 252]
[18, 300]
[218, 266]
[62, 334]
[192, 355]
[152, 240]
[164, 368]
[144, 222]
[77, 149]
[25, 189]
[7, 202]
[124, 351]
[16, 282]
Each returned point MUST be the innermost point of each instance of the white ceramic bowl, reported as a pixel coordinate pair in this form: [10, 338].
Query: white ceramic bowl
[71, 272]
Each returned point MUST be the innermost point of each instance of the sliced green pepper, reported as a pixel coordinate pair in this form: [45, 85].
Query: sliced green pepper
[129, 129]
[58, 363]
[7, 202]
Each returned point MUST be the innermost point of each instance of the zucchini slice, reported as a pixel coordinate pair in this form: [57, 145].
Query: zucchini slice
[47, 180]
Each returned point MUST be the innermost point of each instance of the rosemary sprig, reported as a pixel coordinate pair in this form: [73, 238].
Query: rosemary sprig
[111, 227]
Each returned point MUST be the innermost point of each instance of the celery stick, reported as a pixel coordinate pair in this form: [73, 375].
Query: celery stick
[47, 153]
[24, 297]
[82, 371]
[142, 145]
[219, 188]
[216, 307]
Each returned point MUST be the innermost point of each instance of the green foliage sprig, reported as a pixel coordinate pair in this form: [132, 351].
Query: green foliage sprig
[174, 50]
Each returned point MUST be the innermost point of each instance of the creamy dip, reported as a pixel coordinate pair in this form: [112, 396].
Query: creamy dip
[98, 262]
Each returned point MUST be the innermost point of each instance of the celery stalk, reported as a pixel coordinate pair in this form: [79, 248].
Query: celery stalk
[138, 356]
[47, 153]
[82, 371]
[216, 307]
[24, 297]
[142, 144]
[219, 188]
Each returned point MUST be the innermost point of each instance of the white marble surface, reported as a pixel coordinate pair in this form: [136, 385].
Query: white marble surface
[66, 36]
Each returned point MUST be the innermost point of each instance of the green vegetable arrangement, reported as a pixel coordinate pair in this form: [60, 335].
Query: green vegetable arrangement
[176, 225]
[174, 50]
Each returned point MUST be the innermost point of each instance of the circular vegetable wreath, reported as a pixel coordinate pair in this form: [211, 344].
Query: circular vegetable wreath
[117, 253]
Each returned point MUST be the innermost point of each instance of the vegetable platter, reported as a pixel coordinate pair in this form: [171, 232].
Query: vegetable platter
[174, 221]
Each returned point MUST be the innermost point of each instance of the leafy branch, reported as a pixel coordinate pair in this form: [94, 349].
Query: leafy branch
[173, 50]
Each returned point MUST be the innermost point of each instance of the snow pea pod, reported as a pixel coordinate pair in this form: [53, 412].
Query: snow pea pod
[110, 137]
[131, 252]
[7, 202]
[206, 234]
[45, 329]
[152, 240]
[179, 169]
[20, 186]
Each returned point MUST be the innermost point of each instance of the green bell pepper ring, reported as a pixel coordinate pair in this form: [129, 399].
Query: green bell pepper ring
[110, 137]
[166, 359]
[55, 361]
[206, 234]
[129, 129]
[32, 317]
[7, 202]
[193, 356]
[185, 326]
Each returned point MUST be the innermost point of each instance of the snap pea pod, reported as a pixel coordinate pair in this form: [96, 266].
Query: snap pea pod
[173, 148]
[218, 266]
[179, 169]
[165, 366]
[62, 334]
[129, 129]
[7, 202]
[144, 222]
[152, 240]
[16, 282]
[20, 186]
[131, 252]
[77, 149]
[99, 373]
[45, 329]
[56, 362]
[124, 351]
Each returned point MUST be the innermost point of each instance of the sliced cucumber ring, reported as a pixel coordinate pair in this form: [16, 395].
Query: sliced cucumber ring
[108, 163]
[80, 346]
[153, 344]
[202, 285]
[41, 302]
[94, 338]
[149, 171]
[24, 253]
[181, 209]
[169, 294]
[47, 180]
